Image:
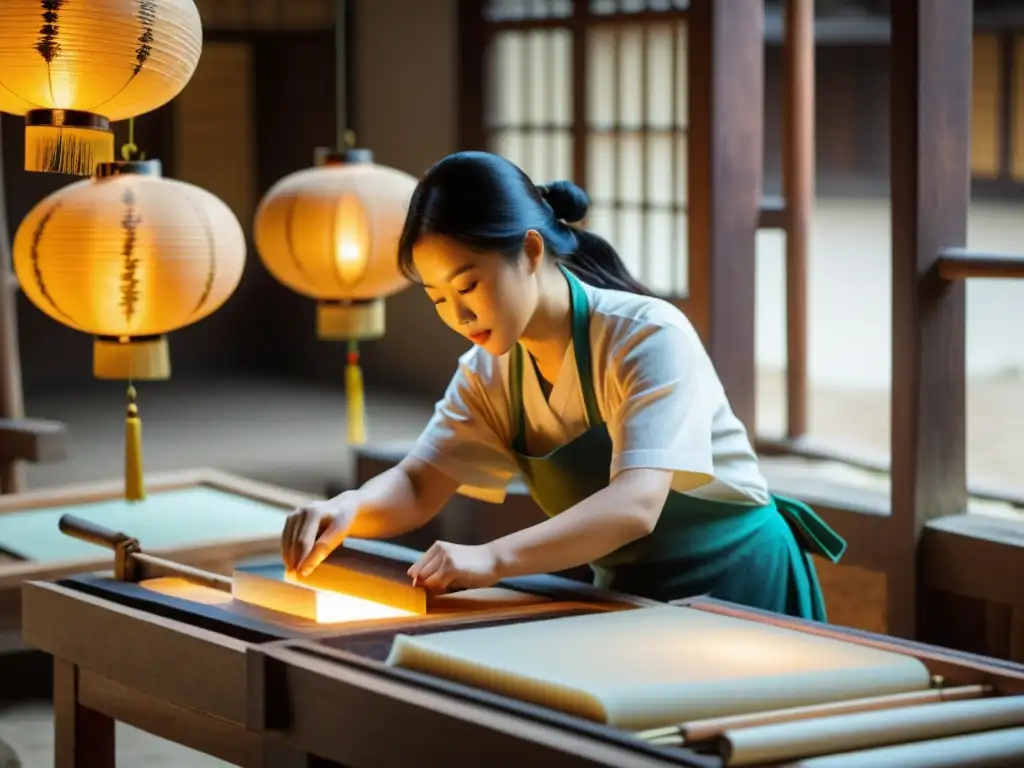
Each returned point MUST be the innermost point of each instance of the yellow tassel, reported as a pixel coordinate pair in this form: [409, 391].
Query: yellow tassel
[67, 149]
[134, 483]
[356, 400]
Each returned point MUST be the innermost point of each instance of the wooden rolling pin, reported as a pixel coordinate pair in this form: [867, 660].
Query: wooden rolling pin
[130, 562]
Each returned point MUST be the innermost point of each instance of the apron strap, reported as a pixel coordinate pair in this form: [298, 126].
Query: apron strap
[814, 533]
[584, 369]
[515, 391]
[581, 346]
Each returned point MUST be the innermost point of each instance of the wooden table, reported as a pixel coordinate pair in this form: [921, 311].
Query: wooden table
[183, 670]
[179, 520]
[257, 689]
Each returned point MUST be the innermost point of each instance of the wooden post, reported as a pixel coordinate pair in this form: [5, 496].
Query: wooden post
[930, 178]
[83, 738]
[725, 104]
[12, 474]
[798, 192]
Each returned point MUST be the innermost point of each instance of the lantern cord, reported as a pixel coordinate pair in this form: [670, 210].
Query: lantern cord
[355, 396]
[341, 69]
[129, 148]
[134, 483]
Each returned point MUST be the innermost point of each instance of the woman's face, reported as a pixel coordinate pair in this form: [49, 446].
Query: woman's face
[485, 297]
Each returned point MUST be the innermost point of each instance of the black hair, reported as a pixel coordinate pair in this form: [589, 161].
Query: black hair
[488, 204]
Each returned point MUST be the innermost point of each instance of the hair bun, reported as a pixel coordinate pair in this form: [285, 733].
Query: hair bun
[569, 202]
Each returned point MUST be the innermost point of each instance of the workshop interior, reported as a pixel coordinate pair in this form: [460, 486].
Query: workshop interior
[830, 192]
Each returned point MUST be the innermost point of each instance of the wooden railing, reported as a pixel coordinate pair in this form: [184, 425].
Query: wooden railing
[962, 264]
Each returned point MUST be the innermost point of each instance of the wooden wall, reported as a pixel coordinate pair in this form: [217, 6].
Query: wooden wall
[276, 15]
[852, 117]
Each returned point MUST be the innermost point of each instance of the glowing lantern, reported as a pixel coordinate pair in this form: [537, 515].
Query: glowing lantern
[331, 233]
[73, 66]
[127, 257]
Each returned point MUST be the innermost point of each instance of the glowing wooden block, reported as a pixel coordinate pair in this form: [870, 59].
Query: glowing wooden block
[270, 587]
[368, 576]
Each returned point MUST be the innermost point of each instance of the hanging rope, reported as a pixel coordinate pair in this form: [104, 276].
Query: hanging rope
[129, 148]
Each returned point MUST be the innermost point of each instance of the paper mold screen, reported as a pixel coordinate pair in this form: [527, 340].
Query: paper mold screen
[649, 667]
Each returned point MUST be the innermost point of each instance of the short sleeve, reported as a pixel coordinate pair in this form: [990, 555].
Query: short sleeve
[464, 437]
[665, 410]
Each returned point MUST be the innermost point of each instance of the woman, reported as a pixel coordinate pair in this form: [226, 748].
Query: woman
[599, 395]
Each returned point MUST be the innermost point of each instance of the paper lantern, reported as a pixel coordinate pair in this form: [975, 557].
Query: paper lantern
[128, 257]
[71, 67]
[331, 233]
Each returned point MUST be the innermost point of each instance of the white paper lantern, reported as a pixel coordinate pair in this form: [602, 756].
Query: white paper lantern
[331, 233]
[73, 66]
[128, 257]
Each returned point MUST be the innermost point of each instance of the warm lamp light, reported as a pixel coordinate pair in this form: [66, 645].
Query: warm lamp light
[128, 257]
[72, 67]
[331, 233]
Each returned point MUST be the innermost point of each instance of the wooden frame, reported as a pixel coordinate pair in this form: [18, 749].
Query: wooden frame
[218, 557]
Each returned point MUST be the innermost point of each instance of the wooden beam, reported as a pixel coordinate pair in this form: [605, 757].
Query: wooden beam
[798, 191]
[930, 183]
[473, 40]
[12, 405]
[725, 103]
[808, 448]
[37, 440]
[961, 264]
[772, 214]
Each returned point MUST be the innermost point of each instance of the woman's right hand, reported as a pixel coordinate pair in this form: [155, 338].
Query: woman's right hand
[315, 530]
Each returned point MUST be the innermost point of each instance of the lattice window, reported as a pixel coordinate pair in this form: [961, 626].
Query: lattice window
[611, 117]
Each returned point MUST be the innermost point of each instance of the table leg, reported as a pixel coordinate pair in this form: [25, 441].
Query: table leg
[279, 755]
[83, 738]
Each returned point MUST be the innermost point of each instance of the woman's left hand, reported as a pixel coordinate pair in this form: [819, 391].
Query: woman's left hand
[447, 565]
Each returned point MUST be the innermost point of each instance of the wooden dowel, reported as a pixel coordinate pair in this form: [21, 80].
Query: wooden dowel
[962, 264]
[127, 548]
[93, 533]
[798, 191]
[158, 566]
[705, 730]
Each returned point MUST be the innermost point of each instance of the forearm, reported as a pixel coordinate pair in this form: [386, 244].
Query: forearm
[591, 529]
[399, 500]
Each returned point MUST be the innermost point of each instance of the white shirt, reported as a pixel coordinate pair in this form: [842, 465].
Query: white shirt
[656, 389]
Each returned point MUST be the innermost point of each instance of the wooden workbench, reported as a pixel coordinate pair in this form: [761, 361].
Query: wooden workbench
[184, 671]
[256, 689]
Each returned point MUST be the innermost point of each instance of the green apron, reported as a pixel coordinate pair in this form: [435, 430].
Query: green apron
[755, 556]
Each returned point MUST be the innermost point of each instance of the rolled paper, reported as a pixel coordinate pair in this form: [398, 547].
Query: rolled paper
[865, 730]
[704, 730]
[992, 749]
[667, 741]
